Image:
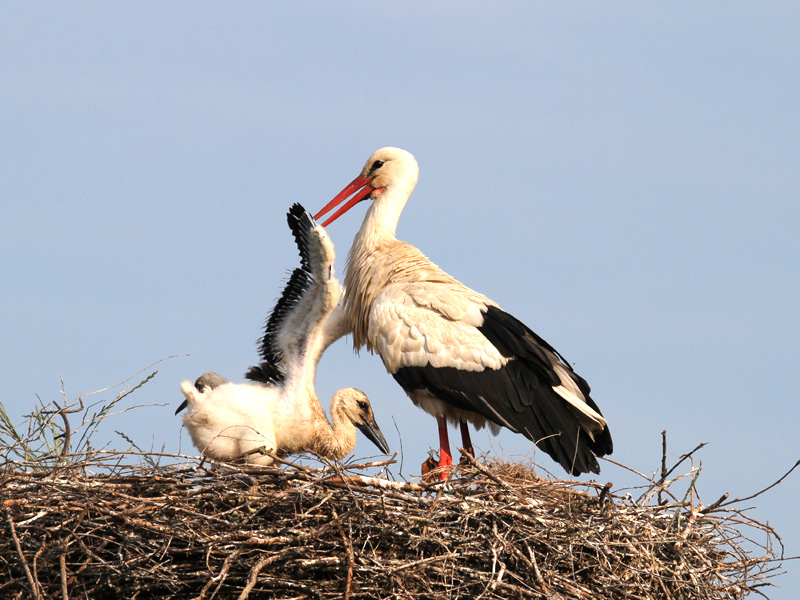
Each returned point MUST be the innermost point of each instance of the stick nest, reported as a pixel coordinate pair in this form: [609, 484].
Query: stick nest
[100, 527]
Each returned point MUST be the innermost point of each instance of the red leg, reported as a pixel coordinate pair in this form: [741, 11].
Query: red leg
[466, 441]
[445, 458]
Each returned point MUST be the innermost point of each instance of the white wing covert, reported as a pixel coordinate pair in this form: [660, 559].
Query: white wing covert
[411, 326]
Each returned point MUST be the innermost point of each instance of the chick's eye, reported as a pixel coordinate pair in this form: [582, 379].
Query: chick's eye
[363, 405]
[377, 165]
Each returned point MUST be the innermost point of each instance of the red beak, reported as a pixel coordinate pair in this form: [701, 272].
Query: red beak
[359, 183]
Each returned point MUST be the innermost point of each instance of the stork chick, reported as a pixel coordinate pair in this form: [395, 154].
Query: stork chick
[279, 410]
[239, 421]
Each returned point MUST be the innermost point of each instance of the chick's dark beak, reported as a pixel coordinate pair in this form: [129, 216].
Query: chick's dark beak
[373, 433]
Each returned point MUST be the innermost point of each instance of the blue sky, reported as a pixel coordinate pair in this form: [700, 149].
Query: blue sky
[623, 177]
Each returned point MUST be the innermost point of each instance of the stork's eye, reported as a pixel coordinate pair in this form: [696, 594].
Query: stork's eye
[363, 405]
[377, 165]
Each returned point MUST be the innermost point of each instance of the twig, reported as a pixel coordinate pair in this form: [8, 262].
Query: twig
[601, 499]
[252, 578]
[350, 558]
[62, 561]
[715, 505]
[423, 561]
[63, 412]
[34, 588]
[376, 482]
[627, 468]
[769, 487]
[663, 462]
[223, 573]
[486, 472]
[139, 372]
[683, 458]
[285, 462]
[372, 464]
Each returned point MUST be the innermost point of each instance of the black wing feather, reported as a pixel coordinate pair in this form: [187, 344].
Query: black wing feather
[520, 395]
[269, 370]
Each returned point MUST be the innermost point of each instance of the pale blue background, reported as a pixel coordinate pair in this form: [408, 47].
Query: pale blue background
[621, 176]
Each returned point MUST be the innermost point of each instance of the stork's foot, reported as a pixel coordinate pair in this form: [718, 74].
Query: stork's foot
[433, 471]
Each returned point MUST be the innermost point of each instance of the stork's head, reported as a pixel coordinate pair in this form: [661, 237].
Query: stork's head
[209, 381]
[353, 405]
[389, 170]
[202, 385]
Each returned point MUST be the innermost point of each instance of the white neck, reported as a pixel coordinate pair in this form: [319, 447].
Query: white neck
[380, 222]
[370, 251]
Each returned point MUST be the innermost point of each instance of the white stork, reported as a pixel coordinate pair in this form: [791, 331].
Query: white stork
[279, 410]
[455, 352]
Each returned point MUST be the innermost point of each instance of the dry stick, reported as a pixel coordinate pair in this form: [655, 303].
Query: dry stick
[330, 464]
[382, 492]
[422, 561]
[124, 381]
[287, 463]
[627, 468]
[368, 465]
[716, 504]
[605, 492]
[34, 587]
[662, 480]
[350, 558]
[262, 450]
[223, 574]
[384, 487]
[253, 576]
[376, 482]
[663, 461]
[683, 458]
[63, 412]
[67, 432]
[36, 556]
[765, 489]
[490, 475]
[62, 559]
[537, 575]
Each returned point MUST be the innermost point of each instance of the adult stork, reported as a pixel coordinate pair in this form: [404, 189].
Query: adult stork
[455, 352]
[279, 410]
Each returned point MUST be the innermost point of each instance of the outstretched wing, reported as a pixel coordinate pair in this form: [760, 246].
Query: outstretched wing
[294, 325]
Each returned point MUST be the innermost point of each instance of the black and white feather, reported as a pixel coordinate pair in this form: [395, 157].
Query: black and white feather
[287, 314]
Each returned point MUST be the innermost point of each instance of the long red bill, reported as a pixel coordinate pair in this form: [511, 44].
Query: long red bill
[354, 186]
